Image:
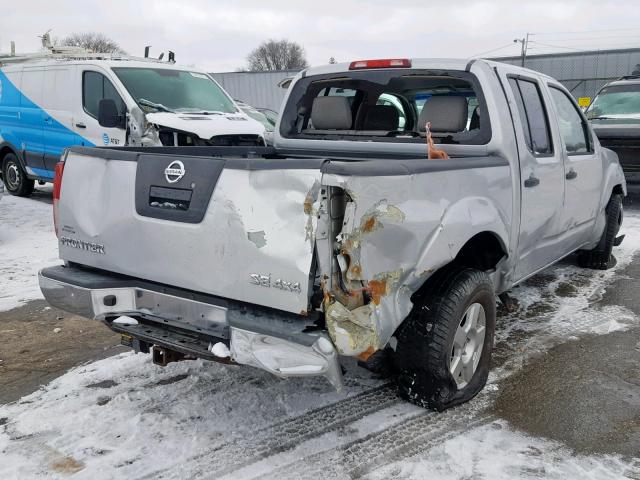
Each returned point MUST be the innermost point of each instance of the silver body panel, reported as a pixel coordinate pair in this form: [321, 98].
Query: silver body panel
[255, 224]
[391, 234]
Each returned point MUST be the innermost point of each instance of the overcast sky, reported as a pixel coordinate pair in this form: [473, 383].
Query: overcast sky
[217, 35]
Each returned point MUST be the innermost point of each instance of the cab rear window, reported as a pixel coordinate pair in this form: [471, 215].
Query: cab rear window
[389, 106]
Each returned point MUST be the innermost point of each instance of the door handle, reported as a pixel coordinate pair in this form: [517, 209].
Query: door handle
[81, 125]
[531, 181]
[571, 174]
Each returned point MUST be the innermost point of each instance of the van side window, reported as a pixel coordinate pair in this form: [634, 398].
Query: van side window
[533, 116]
[96, 87]
[573, 128]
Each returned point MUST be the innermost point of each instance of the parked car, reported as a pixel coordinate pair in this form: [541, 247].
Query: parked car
[615, 117]
[348, 238]
[271, 115]
[259, 115]
[56, 100]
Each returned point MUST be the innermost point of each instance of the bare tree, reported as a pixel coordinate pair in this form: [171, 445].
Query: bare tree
[276, 55]
[96, 42]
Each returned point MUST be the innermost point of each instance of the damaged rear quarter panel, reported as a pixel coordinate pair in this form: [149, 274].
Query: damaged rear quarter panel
[398, 230]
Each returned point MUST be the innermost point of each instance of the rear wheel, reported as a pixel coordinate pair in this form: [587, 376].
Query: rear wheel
[600, 257]
[14, 177]
[443, 352]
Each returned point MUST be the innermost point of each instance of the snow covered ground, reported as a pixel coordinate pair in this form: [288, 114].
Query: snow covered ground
[27, 244]
[124, 417]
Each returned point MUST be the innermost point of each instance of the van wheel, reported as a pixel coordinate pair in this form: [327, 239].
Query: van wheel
[14, 177]
[444, 346]
[600, 257]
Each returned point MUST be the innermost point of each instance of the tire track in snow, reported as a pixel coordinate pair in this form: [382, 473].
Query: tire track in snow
[282, 436]
[400, 441]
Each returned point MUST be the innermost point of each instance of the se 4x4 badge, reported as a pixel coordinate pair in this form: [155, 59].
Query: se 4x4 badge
[265, 281]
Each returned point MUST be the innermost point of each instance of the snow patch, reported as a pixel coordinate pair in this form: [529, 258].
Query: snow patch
[124, 320]
[28, 243]
[496, 452]
[220, 350]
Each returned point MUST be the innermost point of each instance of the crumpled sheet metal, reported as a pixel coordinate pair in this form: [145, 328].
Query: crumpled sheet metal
[397, 231]
[141, 132]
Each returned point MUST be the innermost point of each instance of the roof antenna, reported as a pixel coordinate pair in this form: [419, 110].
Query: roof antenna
[146, 51]
[13, 48]
[172, 57]
[161, 56]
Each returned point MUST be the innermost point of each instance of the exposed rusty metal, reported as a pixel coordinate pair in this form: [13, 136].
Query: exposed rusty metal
[377, 289]
[350, 299]
[364, 356]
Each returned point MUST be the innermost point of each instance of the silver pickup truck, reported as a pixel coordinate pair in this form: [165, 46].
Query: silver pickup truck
[347, 238]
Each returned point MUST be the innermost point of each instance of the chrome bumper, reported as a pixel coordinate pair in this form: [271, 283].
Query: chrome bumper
[262, 341]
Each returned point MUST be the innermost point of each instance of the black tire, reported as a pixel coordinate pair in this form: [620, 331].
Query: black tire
[15, 178]
[426, 339]
[600, 257]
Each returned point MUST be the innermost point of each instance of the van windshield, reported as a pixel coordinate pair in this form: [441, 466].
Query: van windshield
[159, 89]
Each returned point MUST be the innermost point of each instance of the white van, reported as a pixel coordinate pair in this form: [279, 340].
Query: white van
[50, 102]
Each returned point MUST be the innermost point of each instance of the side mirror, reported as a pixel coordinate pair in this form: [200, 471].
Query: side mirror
[108, 115]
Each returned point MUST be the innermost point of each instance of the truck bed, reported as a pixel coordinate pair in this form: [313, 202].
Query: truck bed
[240, 223]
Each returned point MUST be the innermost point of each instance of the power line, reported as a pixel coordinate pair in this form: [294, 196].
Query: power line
[587, 31]
[585, 48]
[493, 50]
[592, 39]
[554, 46]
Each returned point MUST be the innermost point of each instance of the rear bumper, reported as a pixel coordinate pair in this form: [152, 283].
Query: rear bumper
[189, 322]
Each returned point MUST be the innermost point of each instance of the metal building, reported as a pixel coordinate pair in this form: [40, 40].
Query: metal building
[583, 73]
[259, 89]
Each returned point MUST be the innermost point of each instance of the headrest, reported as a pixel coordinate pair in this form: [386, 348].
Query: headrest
[331, 113]
[381, 117]
[446, 114]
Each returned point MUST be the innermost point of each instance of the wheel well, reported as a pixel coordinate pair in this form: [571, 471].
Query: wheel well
[617, 190]
[4, 151]
[482, 251]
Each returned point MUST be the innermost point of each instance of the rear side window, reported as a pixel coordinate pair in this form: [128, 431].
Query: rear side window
[573, 128]
[96, 87]
[533, 115]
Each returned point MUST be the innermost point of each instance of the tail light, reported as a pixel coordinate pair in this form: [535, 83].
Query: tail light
[57, 186]
[382, 63]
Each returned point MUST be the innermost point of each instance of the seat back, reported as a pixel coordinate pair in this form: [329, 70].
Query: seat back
[446, 114]
[331, 113]
[381, 117]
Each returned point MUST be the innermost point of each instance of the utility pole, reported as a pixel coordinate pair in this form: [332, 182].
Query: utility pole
[525, 44]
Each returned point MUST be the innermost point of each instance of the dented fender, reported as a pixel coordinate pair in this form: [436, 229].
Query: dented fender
[396, 232]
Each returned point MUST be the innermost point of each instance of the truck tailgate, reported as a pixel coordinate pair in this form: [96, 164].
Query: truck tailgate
[234, 227]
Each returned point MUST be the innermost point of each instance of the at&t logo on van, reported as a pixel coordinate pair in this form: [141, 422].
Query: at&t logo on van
[105, 139]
